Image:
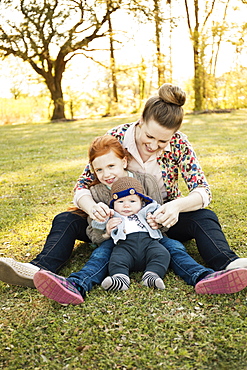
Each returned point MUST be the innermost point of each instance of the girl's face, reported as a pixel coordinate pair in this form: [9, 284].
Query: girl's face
[151, 137]
[128, 205]
[109, 168]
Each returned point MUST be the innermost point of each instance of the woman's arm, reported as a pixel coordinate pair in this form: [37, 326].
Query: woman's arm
[181, 158]
[85, 179]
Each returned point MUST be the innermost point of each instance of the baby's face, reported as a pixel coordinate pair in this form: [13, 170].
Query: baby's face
[128, 205]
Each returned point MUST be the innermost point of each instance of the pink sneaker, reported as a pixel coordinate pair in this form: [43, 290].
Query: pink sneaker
[223, 282]
[57, 288]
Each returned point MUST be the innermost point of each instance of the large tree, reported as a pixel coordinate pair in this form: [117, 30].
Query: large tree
[197, 34]
[48, 33]
[207, 24]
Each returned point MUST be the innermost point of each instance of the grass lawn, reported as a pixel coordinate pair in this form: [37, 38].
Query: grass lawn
[140, 328]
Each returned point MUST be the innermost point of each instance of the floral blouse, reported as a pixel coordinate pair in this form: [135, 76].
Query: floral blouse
[180, 158]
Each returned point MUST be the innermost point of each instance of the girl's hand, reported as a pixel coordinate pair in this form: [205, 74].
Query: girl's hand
[151, 221]
[112, 224]
[100, 212]
[167, 214]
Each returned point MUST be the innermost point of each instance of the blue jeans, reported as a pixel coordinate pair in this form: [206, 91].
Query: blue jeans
[67, 227]
[183, 264]
[95, 270]
[201, 225]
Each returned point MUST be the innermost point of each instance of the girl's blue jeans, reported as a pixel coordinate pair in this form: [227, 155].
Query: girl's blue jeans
[201, 225]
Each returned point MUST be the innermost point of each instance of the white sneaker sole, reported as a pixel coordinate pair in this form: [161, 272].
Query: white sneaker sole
[16, 273]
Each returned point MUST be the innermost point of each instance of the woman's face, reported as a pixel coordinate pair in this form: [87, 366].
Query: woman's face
[151, 137]
[109, 168]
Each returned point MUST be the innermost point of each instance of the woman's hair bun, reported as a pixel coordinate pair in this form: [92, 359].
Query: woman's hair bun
[172, 94]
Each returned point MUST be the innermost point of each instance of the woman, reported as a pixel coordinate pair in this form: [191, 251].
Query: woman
[156, 147]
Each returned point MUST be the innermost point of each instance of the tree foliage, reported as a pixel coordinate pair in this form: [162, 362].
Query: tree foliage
[207, 25]
[48, 33]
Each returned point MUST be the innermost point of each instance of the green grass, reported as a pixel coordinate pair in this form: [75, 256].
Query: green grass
[138, 329]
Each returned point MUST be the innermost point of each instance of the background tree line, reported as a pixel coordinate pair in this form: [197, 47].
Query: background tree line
[49, 34]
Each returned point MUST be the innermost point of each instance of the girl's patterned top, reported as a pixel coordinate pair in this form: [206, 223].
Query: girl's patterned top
[179, 158]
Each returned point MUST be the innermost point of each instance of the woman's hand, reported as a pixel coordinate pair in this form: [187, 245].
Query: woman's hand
[112, 224]
[167, 214]
[100, 212]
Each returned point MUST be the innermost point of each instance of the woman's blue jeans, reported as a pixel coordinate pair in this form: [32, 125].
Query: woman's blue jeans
[183, 264]
[67, 227]
[95, 270]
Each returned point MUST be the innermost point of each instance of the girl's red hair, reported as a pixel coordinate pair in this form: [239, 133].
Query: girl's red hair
[104, 144]
[100, 146]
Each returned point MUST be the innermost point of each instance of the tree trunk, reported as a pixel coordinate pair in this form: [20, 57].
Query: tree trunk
[53, 80]
[56, 90]
[58, 110]
[197, 62]
[160, 56]
[170, 43]
[197, 78]
[142, 82]
[112, 63]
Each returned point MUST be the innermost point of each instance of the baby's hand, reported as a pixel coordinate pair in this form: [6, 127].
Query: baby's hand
[112, 224]
[151, 221]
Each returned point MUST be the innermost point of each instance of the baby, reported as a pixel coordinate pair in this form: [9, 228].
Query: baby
[137, 244]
